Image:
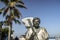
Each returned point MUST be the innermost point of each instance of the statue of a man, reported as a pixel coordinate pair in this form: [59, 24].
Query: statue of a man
[35, 32]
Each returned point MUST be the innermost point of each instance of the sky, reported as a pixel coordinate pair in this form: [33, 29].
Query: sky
[47, 10]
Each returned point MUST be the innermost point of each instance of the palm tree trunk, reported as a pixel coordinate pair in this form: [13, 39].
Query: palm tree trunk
[0, 36]
[9, 35]
[0, 31]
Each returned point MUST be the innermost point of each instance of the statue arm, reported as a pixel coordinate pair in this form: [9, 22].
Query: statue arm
[28, 33]
[45, 34]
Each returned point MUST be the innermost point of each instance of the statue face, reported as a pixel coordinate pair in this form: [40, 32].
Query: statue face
[36, 23]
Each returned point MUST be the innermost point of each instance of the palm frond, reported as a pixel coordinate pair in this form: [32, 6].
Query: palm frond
[20, 1]
[17, 13]
[17, 21]
[2, 10]
[5, 11]
[7, 17]
[14, 0]
[1, 23]
[5, 1]
[21, 5]
[5, 23]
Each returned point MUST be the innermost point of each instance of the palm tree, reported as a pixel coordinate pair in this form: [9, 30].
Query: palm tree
[1, 23]
[8, 22]
[5, 33]
[11, 6]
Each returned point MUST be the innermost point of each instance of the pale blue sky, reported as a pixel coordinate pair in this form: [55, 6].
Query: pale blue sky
[47, 10]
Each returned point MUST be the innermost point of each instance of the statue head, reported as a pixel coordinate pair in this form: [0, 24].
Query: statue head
[36, 22]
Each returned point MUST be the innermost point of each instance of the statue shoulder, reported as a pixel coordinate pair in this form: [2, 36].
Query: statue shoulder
[43, 28]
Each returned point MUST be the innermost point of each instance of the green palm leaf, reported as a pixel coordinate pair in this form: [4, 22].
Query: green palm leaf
[5, 11]
[5, 23]
[1, 22]
[0, 11]
[20, 5]
[5, 1]
[17, 13]
[7, 17]
[14, 0]
[20, 2]
[17, 21]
